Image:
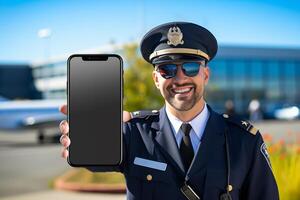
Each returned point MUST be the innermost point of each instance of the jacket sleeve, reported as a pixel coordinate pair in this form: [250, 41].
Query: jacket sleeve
[119, 168]
[260, 183]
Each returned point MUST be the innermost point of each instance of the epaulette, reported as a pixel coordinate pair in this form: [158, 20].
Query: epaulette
[241, 123]
[144, 113]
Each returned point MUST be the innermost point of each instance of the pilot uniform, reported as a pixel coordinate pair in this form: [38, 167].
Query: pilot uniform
[230, 158]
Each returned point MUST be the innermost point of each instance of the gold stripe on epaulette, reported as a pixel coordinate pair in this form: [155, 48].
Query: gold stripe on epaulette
[253, 130]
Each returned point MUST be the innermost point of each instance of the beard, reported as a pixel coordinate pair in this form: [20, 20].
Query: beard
[184, 103]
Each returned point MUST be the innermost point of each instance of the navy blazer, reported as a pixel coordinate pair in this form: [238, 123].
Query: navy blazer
[150, 137]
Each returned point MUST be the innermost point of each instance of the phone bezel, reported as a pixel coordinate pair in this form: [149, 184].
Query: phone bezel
[121, 100]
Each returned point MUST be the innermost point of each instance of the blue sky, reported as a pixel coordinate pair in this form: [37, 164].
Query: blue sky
[78, 25]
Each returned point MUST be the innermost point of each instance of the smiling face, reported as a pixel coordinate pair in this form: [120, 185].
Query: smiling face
[182, 92]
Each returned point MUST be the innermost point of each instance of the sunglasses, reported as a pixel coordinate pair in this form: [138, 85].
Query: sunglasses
[169, 70]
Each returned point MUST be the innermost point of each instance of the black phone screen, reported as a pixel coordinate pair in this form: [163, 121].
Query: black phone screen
[95, 109]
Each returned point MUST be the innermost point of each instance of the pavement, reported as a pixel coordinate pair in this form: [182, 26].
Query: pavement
[289, 131]
[27, 168]
[65, 195]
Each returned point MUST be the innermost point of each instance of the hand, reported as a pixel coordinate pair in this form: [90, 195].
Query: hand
[64, 129]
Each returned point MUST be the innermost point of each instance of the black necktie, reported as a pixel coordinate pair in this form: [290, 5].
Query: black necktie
[186, 147]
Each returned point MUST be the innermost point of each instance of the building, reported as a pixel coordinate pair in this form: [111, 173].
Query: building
[16, 82]
[271, 75]
[51, 75]
[240, 74]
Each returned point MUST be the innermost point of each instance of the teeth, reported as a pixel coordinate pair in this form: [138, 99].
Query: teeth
[183, 90]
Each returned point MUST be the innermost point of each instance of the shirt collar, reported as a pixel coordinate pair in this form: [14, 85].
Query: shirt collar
[198, 123]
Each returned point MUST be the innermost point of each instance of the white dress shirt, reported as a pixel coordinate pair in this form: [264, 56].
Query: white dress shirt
[198, 125]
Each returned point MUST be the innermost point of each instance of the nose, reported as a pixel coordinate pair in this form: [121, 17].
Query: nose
[180, 75]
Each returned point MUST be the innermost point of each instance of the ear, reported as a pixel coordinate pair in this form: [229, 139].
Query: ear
[155, 78]
[206, 74]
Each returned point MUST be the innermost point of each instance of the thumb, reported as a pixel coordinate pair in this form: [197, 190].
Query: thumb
[126, 116]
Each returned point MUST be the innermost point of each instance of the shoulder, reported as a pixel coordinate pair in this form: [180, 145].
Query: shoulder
[141, 122]
[244, 137]
[143, 117]
[241, 124]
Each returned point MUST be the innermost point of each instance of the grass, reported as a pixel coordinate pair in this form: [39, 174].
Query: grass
[84, 176]
[285, 159]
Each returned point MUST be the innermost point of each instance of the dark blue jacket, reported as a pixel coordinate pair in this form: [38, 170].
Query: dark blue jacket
[150, 137]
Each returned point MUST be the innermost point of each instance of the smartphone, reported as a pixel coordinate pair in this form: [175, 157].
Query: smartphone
[95, 94]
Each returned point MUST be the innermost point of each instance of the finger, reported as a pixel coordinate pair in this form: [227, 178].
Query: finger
[64, 153]
[64, 127]
[65, 141]
[64, 109]
[126, 116]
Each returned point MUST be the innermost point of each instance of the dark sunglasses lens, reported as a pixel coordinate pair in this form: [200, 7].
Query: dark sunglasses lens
[191, 68]
[167, 70]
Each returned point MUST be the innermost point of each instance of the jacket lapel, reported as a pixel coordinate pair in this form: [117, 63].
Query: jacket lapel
[212, 143]
[166, 140]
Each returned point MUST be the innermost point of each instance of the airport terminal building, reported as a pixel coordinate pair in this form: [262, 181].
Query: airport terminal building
[271, 75]
[240, 74]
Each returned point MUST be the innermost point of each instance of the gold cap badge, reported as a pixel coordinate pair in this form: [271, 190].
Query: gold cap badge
[175, 36]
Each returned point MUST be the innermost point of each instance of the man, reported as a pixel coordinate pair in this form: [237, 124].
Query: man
[186, 150]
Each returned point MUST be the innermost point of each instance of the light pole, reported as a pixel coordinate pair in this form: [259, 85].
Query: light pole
[45, 34]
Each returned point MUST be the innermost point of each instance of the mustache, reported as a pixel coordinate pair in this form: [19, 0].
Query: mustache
[182, 85]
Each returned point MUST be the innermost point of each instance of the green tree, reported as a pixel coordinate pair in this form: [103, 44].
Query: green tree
[140, 92]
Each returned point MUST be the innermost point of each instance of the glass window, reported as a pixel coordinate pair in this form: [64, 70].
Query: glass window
[238, 74]
[256, 74]
[272, 80]
[297, 80]
[218, 74]
[36, 73]
[289, 81]
[60, 69]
